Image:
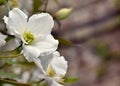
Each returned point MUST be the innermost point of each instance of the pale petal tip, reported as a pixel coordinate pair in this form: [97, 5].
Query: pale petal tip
[5, 18]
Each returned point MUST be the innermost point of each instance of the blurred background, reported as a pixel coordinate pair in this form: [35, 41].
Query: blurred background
[93, 27]
[93, 30]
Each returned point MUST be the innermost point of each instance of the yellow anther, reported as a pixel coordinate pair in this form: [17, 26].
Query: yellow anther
[28, 37]
[50, 71]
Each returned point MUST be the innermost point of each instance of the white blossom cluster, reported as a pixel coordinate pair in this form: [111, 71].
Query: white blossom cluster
[37, 43]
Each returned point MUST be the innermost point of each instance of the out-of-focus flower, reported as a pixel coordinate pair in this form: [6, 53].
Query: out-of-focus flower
[26, 6]
[11, 45]
[63, 13]
[54, 69]
[2, 40]
[35, 32]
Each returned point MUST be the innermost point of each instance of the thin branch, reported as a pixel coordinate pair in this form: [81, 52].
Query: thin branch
[46, 4]
[14, 82]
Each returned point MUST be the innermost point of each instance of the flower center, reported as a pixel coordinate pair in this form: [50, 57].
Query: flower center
[50, 71]
[28, 37]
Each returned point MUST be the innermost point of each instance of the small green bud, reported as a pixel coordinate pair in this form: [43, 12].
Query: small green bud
[63, 13]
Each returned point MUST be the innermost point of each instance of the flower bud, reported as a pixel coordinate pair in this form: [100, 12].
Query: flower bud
[63, 13]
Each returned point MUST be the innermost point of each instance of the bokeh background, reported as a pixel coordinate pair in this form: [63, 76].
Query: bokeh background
[94, 29]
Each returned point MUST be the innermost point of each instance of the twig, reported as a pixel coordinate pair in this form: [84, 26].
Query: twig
[14, 82]
[46, 4]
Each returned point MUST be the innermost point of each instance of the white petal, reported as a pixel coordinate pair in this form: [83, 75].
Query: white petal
[37, 61]
[49, 44]
[2, 36]
[11, 29]
[2, 42]
[2, 39]
[36, 75]
[59, 64]
[52, 82]
[56, 54]
[11, 44]
[30, 52]
[46, 59]
[16, 22]
[5, 18]
[40, 24]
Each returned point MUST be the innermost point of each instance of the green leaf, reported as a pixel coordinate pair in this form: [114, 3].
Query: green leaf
[8, 75]
[65, 42]
[71, 80]
[9, 38]
[36, 5]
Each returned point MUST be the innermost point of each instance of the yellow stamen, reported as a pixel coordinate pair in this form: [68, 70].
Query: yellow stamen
[50, 71]
[28, 37]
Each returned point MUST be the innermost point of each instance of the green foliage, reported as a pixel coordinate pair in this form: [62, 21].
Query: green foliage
[8, 75]
[118, 19]
[2, 2]
[101, 70]
[9, 38]
[101, 48]
[9, 55]
[13, 82]
[117, 3]
[42, 83]
[36, 5]
[56, 1]
[8, 61]
[65, 42]
[71, 80]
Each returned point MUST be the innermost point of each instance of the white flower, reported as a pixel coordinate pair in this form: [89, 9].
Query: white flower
[35, 32]
[54, 69]
[2, 40]
[11, 45]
